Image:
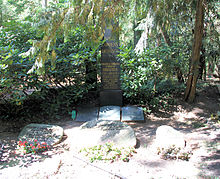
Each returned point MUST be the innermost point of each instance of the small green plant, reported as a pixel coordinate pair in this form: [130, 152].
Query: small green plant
[162, 102]
[108, 152]
[34, 147]
[174, 153]
[216, 117]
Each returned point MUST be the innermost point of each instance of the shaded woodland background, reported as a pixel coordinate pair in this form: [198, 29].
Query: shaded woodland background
[50, 53]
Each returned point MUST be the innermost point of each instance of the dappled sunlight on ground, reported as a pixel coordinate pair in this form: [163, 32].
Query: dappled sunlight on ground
[63, 160]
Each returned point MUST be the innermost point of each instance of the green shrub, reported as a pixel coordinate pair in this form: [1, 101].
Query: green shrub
[61, 86]
[147, 75]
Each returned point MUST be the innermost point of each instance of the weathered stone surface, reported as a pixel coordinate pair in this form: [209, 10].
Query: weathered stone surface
[86, 114]
[111, 97]
[109, 113]
[132, 113]
[167, 136]
[51, 134]
[101, 131]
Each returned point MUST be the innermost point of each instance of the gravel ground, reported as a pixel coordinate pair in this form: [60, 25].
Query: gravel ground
[64, 161]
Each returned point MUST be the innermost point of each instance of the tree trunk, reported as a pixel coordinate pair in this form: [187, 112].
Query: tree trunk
[1, 18]
[44, 3]
[135, 32]
[197, 43]
[1, 13]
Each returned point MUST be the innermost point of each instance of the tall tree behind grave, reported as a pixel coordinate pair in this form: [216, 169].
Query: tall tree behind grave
[197, 44]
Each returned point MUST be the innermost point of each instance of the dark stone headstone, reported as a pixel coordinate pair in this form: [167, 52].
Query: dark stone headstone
[132, 114]
[111, 97]
[111, 93]
[109, 113]
[86, 114]
[51, 134]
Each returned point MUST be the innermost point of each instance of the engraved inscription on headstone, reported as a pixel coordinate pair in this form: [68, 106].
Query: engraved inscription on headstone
[109, 50]
[111, 75]
[51, 134]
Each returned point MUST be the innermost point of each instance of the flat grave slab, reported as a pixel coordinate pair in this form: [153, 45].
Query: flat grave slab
[132, 114]
[51, 134]
[86, 114]
[109, 113]
[98, 132]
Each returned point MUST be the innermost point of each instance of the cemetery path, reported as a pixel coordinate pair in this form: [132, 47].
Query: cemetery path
[64, 161]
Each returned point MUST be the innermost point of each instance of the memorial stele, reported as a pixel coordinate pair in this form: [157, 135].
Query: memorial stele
[111, 93]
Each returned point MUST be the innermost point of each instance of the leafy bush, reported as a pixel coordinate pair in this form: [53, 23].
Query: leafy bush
[145, 76]
[61, 86]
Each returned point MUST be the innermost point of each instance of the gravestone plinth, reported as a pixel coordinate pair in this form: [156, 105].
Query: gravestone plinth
[132, 114]
[86, 114]
[51, 134]
[111, 97]
[109, 113]
[111, 93]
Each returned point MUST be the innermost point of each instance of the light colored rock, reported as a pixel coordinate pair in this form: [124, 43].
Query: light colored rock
[98, 132]
[167, 136]
[51, 134]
